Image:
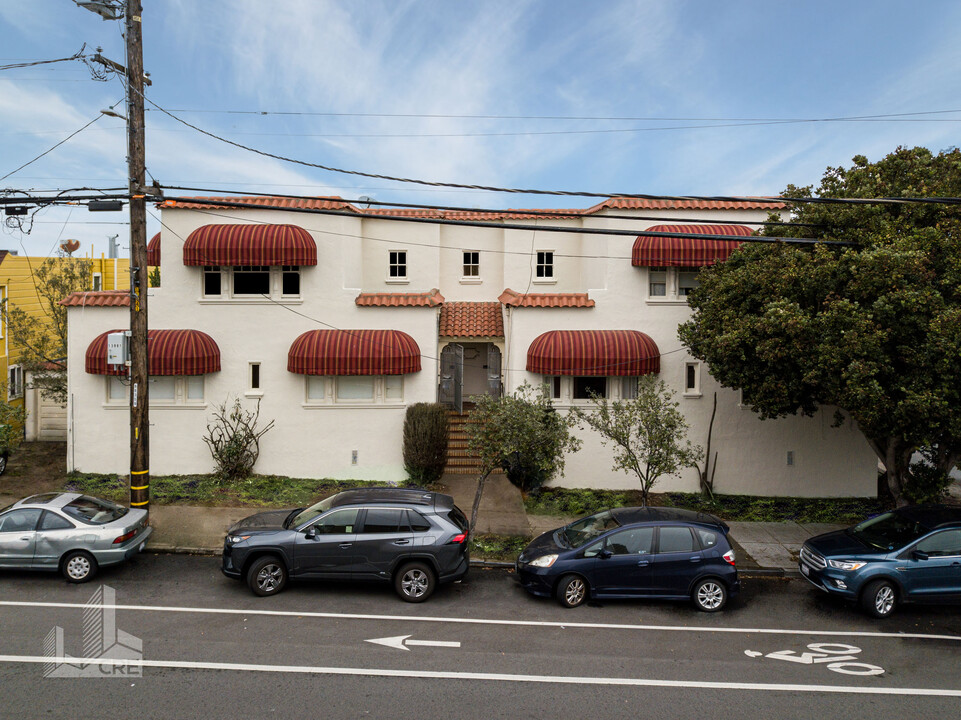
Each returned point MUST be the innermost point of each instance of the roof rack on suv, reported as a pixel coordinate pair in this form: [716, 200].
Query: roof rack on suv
[413, 496]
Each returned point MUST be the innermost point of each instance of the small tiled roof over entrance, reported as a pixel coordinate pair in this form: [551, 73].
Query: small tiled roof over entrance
[545, 300]
[169, 352]
[471, 320]
[432, 298]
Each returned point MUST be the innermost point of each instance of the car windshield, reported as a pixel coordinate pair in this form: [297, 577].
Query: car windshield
[587, 529]
[94, 511]
[310, 513]
[888, 531]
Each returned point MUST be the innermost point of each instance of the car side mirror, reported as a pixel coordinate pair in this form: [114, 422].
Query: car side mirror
[920, 555]
[311, 533]
[605, 554]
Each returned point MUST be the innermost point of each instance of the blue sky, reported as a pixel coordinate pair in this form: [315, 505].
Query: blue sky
[699, 81]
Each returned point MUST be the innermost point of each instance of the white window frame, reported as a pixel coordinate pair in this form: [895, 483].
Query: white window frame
[3, 324]
[561, 388]
[683, 290]
[398, 259]
[650, 282]
[96, 282]
[179, 400]
[14, 382]
[692, 367]
[544, 268]
[275, 287]
[471, 263]
[330, 399]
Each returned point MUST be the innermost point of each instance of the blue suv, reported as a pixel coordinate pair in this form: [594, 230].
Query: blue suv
[912, 554]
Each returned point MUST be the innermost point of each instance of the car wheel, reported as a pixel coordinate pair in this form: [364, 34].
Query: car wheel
[415, 582]
[3, 462]
[78, 566]
[572, 591]
[267, 576]
[709, 595]
[879, 598]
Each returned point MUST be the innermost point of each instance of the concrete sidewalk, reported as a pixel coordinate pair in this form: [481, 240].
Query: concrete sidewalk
[765, 546]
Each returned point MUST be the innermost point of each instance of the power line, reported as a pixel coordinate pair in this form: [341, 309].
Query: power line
[525, 191]
[45, 152]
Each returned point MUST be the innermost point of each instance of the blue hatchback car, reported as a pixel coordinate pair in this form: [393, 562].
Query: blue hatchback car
[912, 554]
[640, 552]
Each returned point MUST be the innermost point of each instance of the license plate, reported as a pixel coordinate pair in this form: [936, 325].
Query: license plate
[804, 569]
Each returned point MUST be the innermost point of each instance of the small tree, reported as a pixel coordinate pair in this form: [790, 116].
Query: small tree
[425, 442]
[648, 432]
[41, 338]
[234, 440]
[12, 418]
[521, 434]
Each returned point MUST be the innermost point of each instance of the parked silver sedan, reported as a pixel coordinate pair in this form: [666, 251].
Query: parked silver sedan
[69, 532]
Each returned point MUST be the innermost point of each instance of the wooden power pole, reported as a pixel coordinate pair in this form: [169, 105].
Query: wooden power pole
[139, 370]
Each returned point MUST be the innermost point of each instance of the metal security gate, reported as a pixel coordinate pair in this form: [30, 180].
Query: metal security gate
[495, 387]
[451, 389]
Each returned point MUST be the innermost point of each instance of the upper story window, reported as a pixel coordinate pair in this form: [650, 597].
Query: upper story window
[584, 388]
[545, 265]
[687, 280]
[354, 389]
[397, 265]
[251, 281]
[97, 282]
[471, 264]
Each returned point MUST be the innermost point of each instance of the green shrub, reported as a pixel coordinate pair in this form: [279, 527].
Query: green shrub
[425, 442]
[927, 484]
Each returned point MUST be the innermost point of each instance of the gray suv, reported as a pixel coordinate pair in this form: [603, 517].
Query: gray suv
[413, 539]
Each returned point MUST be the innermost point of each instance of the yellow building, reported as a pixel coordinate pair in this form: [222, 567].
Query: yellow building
[46, 420]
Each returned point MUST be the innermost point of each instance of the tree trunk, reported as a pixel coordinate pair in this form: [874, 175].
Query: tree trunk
[477, 500]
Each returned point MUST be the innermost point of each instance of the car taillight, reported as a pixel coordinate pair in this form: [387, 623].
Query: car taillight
[728, 557]
[126, 536]
[458, 539]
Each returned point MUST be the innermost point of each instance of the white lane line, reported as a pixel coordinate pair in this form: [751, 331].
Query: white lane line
[496, 677]
[483, 621]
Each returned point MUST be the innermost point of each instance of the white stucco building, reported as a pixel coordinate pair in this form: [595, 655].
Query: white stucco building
[277, 297]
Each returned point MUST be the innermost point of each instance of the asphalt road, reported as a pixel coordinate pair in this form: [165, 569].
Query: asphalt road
[478, 649]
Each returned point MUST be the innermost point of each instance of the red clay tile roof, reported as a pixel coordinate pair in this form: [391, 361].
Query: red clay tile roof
[545, 300]
[337, 203]
[317, 203]
[432, 298]
[471, 319]
[98, 298]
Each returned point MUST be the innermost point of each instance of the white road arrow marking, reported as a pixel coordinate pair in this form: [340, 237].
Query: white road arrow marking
[401, 642]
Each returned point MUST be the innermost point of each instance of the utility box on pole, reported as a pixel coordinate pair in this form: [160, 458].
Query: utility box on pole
[118, 348]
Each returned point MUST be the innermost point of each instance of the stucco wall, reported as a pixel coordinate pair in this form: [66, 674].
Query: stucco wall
[352, 257]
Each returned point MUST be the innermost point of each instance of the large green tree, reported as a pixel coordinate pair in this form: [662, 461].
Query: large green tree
[873, 329]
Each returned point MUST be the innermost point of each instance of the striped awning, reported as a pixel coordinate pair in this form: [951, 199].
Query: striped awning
[236, 245]
[593, 352]
[354, 352]
[169, 352]
[686, 248]
[153, 251]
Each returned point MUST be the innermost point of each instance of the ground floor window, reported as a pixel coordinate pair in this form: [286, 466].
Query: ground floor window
[163, 390]
[354, 389]
[564, 389]
[14, 382]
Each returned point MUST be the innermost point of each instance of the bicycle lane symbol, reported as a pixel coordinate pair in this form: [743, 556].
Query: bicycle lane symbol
[838, 657]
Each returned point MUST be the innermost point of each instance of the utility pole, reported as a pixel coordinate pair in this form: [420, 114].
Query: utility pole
[139, 372]
[132, 10]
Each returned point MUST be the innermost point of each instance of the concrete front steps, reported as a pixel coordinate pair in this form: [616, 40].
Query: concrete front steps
[459, 460]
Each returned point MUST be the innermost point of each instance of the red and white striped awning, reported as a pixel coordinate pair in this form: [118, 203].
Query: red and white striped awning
[236, 245]
[354, 352]
[685, 245]
[153, 251]
[169, 352]
[593, 352]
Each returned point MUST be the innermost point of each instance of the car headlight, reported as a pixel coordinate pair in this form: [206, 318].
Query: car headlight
[847, 564]
[544, 561]
[234, 539]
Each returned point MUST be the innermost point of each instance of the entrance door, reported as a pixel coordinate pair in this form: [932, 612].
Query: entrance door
[451, 390]
[494, 385]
